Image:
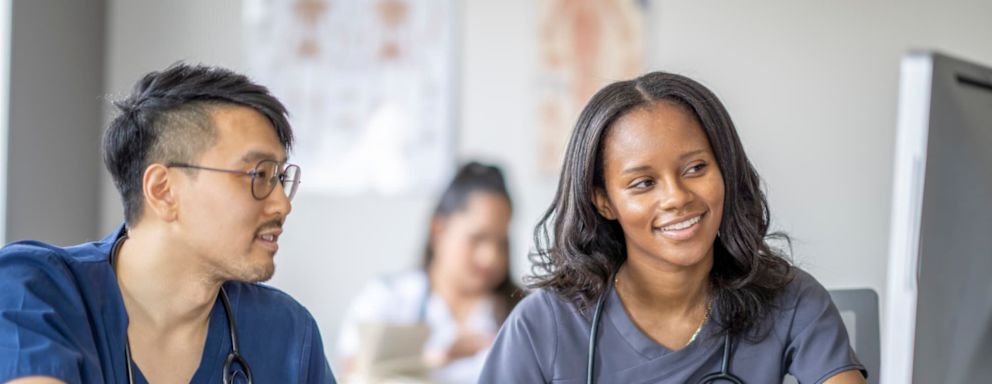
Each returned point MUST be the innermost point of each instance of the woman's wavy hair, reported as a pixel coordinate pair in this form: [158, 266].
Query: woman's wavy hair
[578, 250]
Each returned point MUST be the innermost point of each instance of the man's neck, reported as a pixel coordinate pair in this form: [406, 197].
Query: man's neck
[168, 299]
[163, 289]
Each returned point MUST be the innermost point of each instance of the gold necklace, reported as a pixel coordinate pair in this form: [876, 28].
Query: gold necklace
[706, 316]
[701, 323]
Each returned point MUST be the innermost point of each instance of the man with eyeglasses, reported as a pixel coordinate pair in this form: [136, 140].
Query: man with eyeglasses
[198, 155]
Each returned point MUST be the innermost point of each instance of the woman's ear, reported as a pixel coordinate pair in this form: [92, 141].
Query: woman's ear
[159, 192]
[602, 203]
[437, 226]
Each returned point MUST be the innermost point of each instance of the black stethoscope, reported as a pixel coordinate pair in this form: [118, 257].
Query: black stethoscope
[234, 357]
[724, 373]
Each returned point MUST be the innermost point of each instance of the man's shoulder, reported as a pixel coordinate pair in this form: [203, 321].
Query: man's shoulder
[37, 251]
[67, 278]
[257, 297]
[33, 257]
[31, 249]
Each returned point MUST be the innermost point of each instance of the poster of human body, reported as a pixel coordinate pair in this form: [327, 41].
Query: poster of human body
[369, 85]
[583, 45]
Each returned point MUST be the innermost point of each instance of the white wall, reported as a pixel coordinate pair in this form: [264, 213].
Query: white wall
[811, 85]
[148, 35]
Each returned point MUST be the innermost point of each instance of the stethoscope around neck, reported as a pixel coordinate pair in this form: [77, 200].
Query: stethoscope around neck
[723, 374]
[233, 359]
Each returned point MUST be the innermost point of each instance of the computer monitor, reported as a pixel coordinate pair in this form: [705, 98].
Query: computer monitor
[938, 326]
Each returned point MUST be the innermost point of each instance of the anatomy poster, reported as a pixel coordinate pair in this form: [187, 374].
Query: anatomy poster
[583, 45]
[369, 85]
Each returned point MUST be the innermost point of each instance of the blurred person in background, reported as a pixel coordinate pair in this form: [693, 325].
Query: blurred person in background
[463, 290]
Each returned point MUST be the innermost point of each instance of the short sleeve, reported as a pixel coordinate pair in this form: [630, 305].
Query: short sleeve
[319, 371]
[524, 350]
[818, 345]
[38, 304]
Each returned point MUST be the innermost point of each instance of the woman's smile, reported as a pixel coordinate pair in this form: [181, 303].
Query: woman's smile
[681, 229]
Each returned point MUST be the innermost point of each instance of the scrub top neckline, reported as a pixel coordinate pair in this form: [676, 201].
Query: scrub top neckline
[210, 362]
[645, 345]
[212, 357]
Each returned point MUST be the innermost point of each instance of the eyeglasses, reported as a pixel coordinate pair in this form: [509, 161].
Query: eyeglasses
[264, 177]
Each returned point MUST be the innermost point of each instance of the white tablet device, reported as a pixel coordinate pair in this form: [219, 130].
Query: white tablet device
[392, 350]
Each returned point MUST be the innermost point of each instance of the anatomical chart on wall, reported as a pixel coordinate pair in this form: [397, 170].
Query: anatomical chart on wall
[583, 45]
[369, 85]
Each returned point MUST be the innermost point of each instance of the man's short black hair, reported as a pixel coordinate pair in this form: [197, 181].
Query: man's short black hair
[167, 118]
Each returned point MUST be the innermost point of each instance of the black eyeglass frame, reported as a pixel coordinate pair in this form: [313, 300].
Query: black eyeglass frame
[289, 173]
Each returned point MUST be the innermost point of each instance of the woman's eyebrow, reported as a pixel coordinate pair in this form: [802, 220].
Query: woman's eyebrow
[644, 168]
[640, 168]
[692, 153]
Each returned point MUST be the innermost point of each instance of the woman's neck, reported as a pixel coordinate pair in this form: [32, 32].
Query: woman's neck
[666, 291]
[459, 301]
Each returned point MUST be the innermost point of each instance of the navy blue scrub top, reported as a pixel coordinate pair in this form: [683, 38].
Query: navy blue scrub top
[546, 340]
[62, 315]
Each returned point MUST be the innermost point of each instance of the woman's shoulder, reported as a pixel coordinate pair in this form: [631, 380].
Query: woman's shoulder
[536, 321]
[527, 345]
[803, 289]
[544, 301]
[804, 302]
[812, 331]
[543, 307]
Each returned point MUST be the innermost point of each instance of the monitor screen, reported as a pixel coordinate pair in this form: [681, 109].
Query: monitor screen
[939, 306]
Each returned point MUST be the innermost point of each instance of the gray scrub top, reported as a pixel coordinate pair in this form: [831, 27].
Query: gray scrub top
[546, 340]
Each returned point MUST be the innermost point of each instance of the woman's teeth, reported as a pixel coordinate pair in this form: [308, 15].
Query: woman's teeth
[682, 225]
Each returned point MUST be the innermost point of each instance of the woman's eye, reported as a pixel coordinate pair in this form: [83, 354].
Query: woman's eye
[643, 183]
[695, 169]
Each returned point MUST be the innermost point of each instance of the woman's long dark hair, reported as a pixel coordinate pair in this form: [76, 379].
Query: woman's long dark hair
[577, 250]
[472, 178]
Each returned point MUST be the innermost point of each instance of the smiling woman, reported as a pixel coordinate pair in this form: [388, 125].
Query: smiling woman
[654, 262]
[662, 116]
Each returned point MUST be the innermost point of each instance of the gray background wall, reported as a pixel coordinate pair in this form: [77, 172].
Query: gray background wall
[812, 87]
[56, 87]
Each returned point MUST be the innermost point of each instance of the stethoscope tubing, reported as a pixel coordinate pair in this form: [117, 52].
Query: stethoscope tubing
[597, 315]
[233, 357]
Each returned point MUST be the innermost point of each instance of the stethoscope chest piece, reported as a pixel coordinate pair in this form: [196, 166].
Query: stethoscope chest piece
[231, 374]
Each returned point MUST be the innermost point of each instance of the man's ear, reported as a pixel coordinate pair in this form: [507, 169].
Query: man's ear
[602, 203]
[159, 191]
